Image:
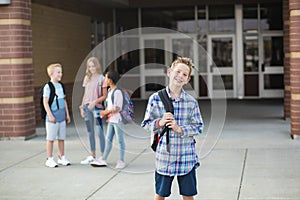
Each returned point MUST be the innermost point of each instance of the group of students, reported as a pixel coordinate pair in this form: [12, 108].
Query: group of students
[91, 109]
[175, 152]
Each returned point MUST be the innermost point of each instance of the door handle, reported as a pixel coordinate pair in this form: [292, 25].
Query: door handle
[263, 67]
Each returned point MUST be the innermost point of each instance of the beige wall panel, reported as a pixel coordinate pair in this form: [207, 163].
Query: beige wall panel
[58, 36]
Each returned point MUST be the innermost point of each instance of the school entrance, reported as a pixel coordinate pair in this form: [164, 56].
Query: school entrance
[249, 68]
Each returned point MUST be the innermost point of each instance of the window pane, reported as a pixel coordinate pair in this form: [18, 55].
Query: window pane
[154, 53]
[250, 18]
[251, 53]
[273, 81]
[183, 47]
[201, 21]
[155, 83]
[129, 60]
[271, 16]
[273, 51]
[203, 86]
[227, 81]
[178, 18]
[221, 18]
[222, 52]
[126, 19]
[202, 53]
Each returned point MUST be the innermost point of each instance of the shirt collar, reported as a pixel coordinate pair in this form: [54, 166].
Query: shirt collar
[182, 95]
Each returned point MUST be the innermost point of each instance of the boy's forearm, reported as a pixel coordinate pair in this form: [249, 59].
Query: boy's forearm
[66, 107]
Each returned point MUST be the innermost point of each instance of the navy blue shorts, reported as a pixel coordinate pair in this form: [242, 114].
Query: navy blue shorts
[187, 184]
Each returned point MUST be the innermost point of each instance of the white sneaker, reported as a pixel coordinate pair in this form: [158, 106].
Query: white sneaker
[51, 163]
[63, 161]
[99, 163]
[120, 164]
[88, 160]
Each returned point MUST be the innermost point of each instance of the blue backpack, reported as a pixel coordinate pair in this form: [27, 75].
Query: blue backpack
[126, 112]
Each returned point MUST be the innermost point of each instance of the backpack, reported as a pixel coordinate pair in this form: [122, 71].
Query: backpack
[126, 112]
[51, 98]
[163, 95]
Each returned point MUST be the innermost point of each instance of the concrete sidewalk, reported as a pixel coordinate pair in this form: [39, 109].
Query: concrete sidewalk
[253, 159]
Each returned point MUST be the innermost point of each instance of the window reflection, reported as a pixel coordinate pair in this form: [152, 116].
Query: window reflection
[183, 47]
[273, 81]
[222, 52]
[250, 18]
[221, 18]
[155, 83]
[128, 60]
[154, 53]
[251, 53]
[273, 51]
[126, 18]
[271, 16]
[177, 18]
[227, 81]
[201, 21]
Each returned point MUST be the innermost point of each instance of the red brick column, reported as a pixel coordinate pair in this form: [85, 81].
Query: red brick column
[17, 112]
[294, 7]
[286, 38]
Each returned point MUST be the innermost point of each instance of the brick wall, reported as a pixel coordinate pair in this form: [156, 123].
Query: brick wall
[294, 7]
[58, 36]
[286, 38]
[31, 37]
[17, 117]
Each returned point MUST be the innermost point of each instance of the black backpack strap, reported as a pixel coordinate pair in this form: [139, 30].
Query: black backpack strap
[163, 95]
[52, 93]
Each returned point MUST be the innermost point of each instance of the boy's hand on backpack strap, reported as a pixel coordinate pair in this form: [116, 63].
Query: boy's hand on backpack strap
[167, 118]
[175, 127]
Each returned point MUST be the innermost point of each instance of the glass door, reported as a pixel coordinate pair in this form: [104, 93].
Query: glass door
[222, 64]
[271, 65]
[153, 59]
[157, 53]
[186, 47]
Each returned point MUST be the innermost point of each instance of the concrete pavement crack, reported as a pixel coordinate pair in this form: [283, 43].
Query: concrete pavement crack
[242, 176]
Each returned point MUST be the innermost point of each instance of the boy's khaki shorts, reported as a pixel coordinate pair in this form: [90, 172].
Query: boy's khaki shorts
[56, 131]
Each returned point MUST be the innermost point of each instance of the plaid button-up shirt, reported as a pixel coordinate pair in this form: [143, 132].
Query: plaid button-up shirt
[182, 156]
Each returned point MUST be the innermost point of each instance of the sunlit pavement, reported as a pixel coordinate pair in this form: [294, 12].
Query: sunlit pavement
[254, 158]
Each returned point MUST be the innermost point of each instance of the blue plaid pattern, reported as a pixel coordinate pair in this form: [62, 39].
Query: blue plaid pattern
[182, 156]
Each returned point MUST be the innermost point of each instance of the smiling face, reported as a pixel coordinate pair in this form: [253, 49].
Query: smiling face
[179, 75]
[92, 67]
[57, 74]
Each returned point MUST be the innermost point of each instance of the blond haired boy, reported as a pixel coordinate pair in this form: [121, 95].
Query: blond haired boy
[180, 159]
[57, 116]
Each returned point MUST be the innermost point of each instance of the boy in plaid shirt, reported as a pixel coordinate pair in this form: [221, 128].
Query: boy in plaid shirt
[181, 160]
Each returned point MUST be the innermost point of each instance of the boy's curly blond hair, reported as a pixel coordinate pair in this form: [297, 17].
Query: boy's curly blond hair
[51, 67]
[185, 60]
